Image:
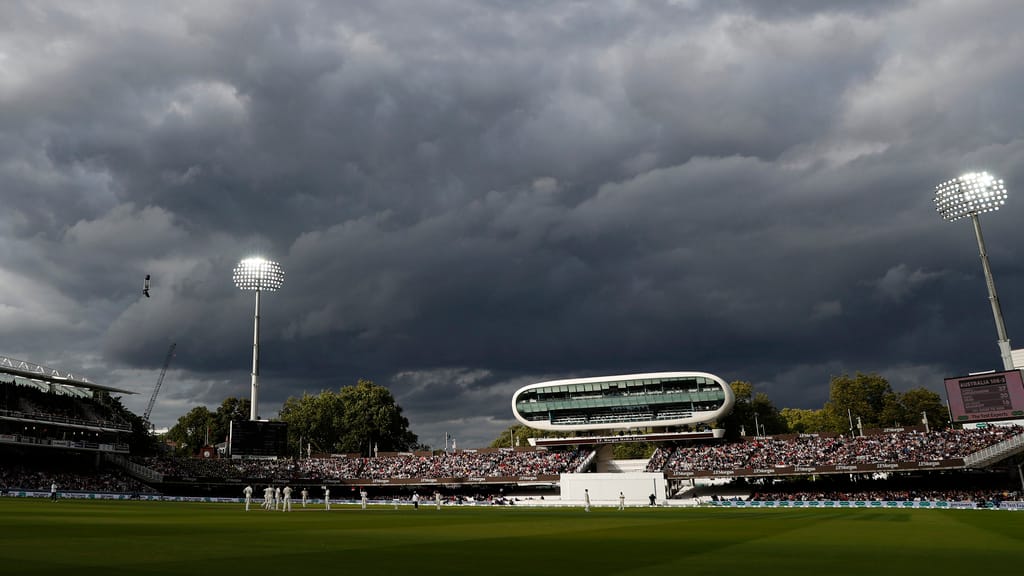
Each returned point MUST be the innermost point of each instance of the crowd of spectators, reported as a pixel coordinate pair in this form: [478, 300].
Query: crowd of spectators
[16, 477]
[463, 464]
[222, 468]
[952, 495]
[472, 464]
[815, 450]
[952, 486]
[54, 406]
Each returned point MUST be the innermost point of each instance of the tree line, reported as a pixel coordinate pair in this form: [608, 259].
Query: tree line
[359, 419]
[855, 402]
[365, 418]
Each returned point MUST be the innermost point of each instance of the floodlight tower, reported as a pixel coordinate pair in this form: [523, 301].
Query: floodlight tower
[259, 275]
[969, 195]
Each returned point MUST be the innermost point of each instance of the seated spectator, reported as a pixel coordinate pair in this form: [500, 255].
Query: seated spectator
[813, 450]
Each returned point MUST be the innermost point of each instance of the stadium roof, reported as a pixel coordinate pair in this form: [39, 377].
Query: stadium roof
[38, 373]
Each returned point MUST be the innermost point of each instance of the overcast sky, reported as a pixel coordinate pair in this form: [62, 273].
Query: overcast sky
[471, 196]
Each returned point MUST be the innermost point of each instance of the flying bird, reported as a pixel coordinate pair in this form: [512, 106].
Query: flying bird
[145, 287]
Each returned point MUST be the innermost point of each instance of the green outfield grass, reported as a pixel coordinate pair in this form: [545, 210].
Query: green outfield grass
[142, 538]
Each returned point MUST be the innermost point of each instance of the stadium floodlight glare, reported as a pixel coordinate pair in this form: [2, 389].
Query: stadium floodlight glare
[969, 195]
[259, 275]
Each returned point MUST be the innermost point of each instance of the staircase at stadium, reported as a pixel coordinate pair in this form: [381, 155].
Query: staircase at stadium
[996, 453]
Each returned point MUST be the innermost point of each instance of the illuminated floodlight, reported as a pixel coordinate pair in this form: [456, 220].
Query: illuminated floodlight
[972, 193]
[967, 196]
[259, 275]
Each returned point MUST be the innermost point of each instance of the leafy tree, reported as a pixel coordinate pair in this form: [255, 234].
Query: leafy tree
[140, 441]
[372, 414]
[357, 418]
[906, 409]
[316, 420]
[191, 430]
[804, 421]
[633, 450]
[742, 414]
[863, 396]
[521, 434]
[230, 410]
[768, 416]
[747, 406]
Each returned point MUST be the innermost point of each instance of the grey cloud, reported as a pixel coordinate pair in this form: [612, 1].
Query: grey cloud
[467, 197]
[898, 282]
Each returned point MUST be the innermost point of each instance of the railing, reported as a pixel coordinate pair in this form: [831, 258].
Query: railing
[53, 418]
[603, 418]
[586, 462]
[673, 415]
[74, 444]
[569, 420]
[995, 452]
[136, 470]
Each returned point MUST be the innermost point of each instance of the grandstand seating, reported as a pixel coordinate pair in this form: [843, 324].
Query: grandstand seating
[60, 417]
[493, 463]
[22, 468]
[830, 450]
[27, 402]
[31, 417]
[960, 486]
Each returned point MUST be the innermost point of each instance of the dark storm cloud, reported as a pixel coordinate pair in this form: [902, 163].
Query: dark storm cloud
[471, 196]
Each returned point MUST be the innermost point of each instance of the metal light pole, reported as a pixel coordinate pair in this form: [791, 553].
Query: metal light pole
[259, 275]
[969, 195]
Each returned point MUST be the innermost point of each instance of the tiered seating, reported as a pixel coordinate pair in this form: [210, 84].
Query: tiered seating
[813, 450]
[462, 464]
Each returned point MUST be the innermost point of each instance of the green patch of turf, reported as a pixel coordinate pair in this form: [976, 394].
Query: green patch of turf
[75, 538]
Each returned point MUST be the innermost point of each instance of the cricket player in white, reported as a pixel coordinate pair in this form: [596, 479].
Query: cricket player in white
[277, 498]
[622, 501]
[268, 497]
[327, 498]
[248, 497]
[305, 496]
[362, 498]
[437, 499]
[586, 499]
[287, 498]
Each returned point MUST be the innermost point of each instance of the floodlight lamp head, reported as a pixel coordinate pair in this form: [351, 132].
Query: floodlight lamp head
[972, 193]
[258, 274]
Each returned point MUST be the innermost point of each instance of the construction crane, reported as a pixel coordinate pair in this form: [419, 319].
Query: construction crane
[159, 381]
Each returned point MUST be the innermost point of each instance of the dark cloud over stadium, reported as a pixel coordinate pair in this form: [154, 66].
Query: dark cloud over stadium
[468, 197]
